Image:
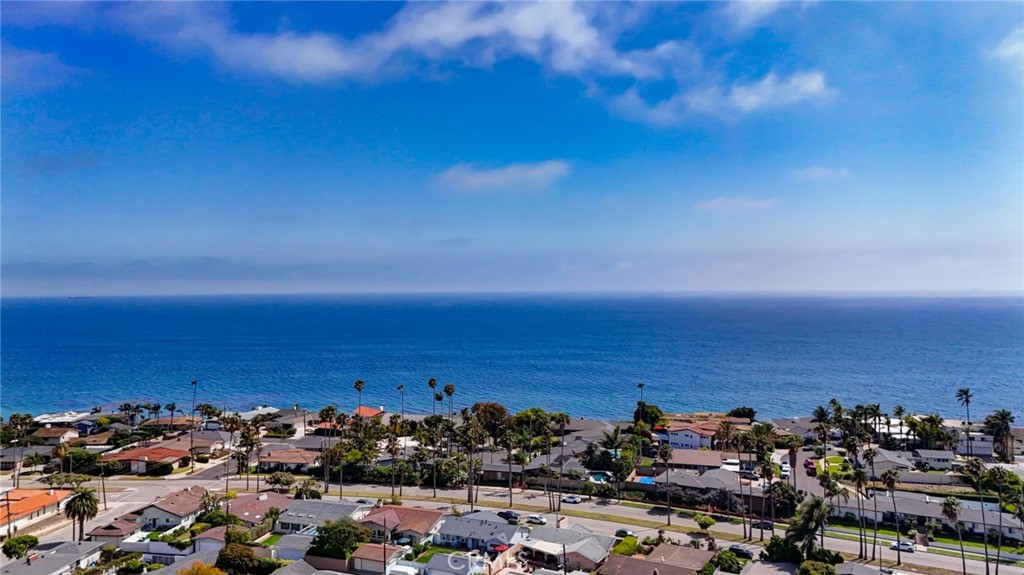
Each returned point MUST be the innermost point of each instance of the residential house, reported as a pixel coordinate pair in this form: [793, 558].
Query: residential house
[176, 423]
[252, 508]
[143, 459]
[202, 442]
[212, 539]
[21, 508]
[173, 565]
[263, 410]
[54, 435]
[934, 459]
[293, 547]
[577, 547]
[118, 530]
[977, 444]
[306, 513]
[315, 442]
[367, 412]
[886, 460]
[482, 530]
[696, 459]
[63, 419]
[622, 565]
[298, 567]
[682, 556]
[1017, 441]
[177, 509]
[374, 558]
[17, 454]
[100, 438]
[803, 427]
[58, 558]
[692, 435]
[406, 525]
[498, 472]
[444, 564]
[289, 418]
[569, 465]
[87, 426]
[290, 460]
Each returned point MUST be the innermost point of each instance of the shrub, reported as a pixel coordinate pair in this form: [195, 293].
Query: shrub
[816, 568]
[202, 458]
[781, 551]
[822, 555]
[160, 470]
[185, 461]
[18, 547]
[627, 547]
[131, 567]
[727, 561]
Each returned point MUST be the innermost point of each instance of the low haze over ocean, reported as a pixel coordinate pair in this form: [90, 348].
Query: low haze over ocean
[581, 354]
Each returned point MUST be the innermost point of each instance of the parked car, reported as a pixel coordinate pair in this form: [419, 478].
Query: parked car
[511, 516]
[571, 499]
[904, 546]
[365, 502]
[785, 473]
[761, 524]
[746, 474]
[537, 519]
[623, 533]
[741, 552]
[812, 471]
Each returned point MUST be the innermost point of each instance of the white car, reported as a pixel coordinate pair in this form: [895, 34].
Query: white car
[904, 546]
[571, 499]
[537, 519]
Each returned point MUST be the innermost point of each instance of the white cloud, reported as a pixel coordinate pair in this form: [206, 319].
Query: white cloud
[513, 177]
[27, 72]
[821, 174]
[1012, 47]
[749, 13]
[566, 38]
[735, 203]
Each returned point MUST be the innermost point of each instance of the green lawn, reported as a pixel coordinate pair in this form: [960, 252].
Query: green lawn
[272, 539]
[426, 555]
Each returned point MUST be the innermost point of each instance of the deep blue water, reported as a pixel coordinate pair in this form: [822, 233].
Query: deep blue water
[580, 354]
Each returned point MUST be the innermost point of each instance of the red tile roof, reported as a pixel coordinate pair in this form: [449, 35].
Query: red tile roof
[368, 412]
[52, 432]
[414, 519]
[154, 454]
[181, 503]
[253, 507]
[24, 502]
[376, 552]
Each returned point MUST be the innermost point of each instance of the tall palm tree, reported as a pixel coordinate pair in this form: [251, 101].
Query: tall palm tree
[899, 412]
[823, 417]
[810, 519]
[890, 478]
[964, 396]
[432, 384]
[612, 440]
[359, 386]
[869, 456]
[951, 511]
[998, 477]
[744, 441]
[508, 442]
[860, 481]
[171, 408]
[81, 506]
[449, 391]
[640, 386]
[561, 420]
[401, 480]
[975, 469]
[665, 455]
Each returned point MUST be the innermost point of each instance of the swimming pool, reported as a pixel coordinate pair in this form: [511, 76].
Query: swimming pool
[645, 480]
[600, 476]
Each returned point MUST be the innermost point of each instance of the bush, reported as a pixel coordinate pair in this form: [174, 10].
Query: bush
[627, 547]
[816, 568]
[727, 561]
[18, 547]
[779, 550]
[131, 567]
[202, 458]
[160, 470]
[822, 555]
[185, 461]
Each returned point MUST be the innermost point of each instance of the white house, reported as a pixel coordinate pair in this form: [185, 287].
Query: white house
[692, 435]
[935, 459]
[58, 558]
[178, 509]
[375, 558]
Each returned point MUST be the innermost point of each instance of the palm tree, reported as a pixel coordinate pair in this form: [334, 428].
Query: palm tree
[640, 386]
[964, 396]
[998, 426]
[860, 481]
[393, 449]
[432, 384]
[508, 442]
[869, 456]
[81, 506]
[725, 435]
[401, 480]
[171, 408]
[808, 521]
[449, 391]
[823, 417]
[612, 440]
[975, 469]
[665, 455]
[951, 511]
[899, 412]
[890, 478]
[561, 420]
[998, 477]
[359, 385]
[768, 473]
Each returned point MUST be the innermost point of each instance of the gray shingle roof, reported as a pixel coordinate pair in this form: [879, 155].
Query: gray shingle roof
[485, 526]
[318, 512]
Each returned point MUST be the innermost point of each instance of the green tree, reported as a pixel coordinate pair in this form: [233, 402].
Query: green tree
[648, 413]
[810, 519]
[81, 506]
[665, 455]
[779, 550]
[705, 522]
[236, 559]
[727, 561]
[281, 480]
[890, 478]
[359, 386]
[307, 490]
[338, 539]
[998, 425]
[742, 413]
[816, 568]
[19, 546]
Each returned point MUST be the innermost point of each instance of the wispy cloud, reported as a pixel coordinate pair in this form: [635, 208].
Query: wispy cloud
[513, 177]
[566, 38]
[735, 203]
[821, 174]
[29, 72]
[1011, 47]
[749, 13]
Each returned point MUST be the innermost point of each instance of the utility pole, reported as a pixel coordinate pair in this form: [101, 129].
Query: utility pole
[401, 479]
[103, 483]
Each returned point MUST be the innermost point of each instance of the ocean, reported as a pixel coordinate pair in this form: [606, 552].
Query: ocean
[580, 354]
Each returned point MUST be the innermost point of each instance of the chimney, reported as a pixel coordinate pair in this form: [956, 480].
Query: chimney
[262, 497]
[48, 425]
[382, 408]
[49, 492]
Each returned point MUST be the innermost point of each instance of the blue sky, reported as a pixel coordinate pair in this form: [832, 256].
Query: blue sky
[318, 147]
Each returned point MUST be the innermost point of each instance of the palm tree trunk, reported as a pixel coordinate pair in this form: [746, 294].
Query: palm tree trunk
[984, 526]
[874, 522]
[508, 454]
[81, 528]
[899, 555]
[561, 467]
[963, 558]
[860, 521]
[762, 514]
[999, 533]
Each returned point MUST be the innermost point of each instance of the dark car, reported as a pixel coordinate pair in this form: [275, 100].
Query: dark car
[812, 471]
[746, 474]
[761, 524]
[510, 516]
[623, 533]
[741, 552]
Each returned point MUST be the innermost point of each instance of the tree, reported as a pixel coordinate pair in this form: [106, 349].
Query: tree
[860, 481]
[810, 519]
[81, 506]
[742, 413]
[19, 546]
[359, 385]
[561, 420]
[816, 568]
[727, 561]
[665, 455]
[998, 426]
[964, 396]
[612, 440]
[890, 478]
[705, 522]
[493, 417]
[232, 535]
[281, 480]
[869, 456]
[951, 511]
[998, 478]
[199, 568]
[648, 413]
[236, 559]
[779, 550]
[307, 490]
[338, 539]
[171, 408]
